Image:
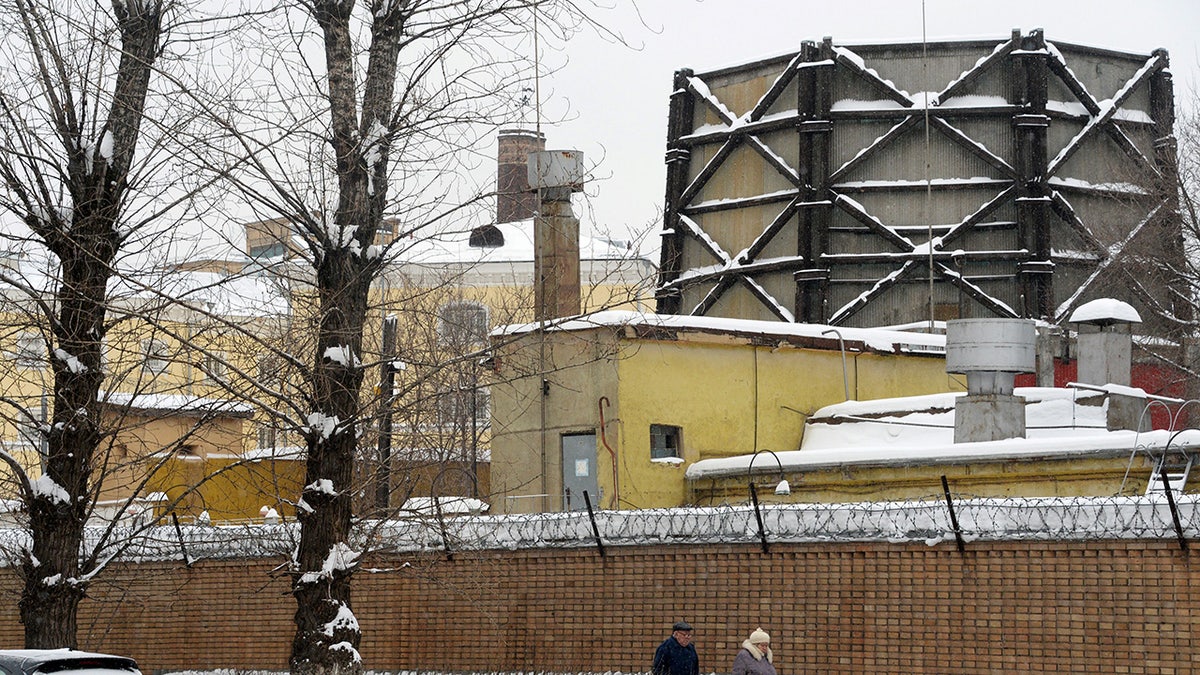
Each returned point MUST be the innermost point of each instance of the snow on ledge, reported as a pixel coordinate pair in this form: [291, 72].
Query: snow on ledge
[877, 339]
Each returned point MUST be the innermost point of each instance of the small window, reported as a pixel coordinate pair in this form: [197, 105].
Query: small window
[269, 370]
[266, 436]
[274, 249]
[664, 441]
[457, 408]
[30, 351]
[486, 236]
[214, 366]
[29, 431]
[462, 324]
[154, 356]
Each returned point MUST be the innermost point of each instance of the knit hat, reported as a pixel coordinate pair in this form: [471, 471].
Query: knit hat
[759, 636]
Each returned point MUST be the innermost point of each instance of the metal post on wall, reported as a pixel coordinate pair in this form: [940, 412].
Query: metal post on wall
[958, 538]
[762, 532]
[587, 499]
[387, 383]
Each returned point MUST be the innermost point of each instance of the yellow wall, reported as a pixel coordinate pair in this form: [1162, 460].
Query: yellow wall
[198, 462]
[1074, 477]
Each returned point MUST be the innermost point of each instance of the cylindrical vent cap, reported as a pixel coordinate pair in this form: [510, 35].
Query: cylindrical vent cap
[990, 345]
[557, 169]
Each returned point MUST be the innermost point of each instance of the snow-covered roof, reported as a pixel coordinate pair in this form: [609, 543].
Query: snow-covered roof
[877, 339]
[454, 247]
[1060, 423]
[248, 295]
[177, 403]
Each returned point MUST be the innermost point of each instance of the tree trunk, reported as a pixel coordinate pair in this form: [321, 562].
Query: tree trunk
[327, 635]
[60, 501]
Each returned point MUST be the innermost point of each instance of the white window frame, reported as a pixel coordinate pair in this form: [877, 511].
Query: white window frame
[463, 323]
[155, 356]
[214, 366]
[30, 350]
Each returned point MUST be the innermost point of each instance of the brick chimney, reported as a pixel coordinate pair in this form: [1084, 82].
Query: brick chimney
[514, 200]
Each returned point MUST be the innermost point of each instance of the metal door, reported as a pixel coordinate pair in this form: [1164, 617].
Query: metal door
[579, 471]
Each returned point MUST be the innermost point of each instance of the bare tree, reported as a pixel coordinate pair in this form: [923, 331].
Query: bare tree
[71, 122]
[387, 121]
[90, 188]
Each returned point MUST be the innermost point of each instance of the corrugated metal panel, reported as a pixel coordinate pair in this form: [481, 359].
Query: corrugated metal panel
[1102, 73]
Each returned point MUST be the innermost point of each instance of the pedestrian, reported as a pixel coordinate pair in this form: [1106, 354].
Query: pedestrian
[755, 656]
[676, 655]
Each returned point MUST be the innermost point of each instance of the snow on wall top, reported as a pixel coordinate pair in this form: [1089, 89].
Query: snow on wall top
[876, 339]
[177, 403]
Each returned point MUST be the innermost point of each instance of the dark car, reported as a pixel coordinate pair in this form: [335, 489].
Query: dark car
[64, 662]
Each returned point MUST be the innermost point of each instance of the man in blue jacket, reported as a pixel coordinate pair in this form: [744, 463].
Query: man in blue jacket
[676, 655]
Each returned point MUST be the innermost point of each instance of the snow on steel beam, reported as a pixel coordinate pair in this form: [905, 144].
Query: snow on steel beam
[874, 224]
[1058, 66]
[711, 135]
[689, 193]
[775, 161]
[982, 212]
[1113, 253]
[857, 65]
[998, 306]
[740, 202]
[767, 299]
[975, 147]
[761, 241]
[871, 150]
[1130, 148]
[700, 88]
[1109, 109]
[698, 276]
[924, 255]
[971, 75]
[1066, 212]
[714, 294]
[776, 89]
[852, 307]
[693, 229]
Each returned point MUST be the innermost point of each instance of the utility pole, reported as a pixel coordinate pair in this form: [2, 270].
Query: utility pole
[387, 383]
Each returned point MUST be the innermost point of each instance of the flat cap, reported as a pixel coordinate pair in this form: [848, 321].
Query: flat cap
[681, 625]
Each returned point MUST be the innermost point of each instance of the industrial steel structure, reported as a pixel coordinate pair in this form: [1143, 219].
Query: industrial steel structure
[1016, 181]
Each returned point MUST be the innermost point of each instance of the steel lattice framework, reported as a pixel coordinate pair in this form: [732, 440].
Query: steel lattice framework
[1012, 185]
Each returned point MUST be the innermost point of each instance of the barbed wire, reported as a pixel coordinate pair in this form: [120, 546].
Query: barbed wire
[926, 521]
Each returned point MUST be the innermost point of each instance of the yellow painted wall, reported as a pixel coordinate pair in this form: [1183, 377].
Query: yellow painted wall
[734, 399]
[1091, 476]
[580, 370]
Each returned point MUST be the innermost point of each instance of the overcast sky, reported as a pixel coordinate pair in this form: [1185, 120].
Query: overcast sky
[616, 97]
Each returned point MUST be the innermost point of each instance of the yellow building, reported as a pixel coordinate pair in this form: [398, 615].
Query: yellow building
[621, 404]
[238, 326]
[174, 440]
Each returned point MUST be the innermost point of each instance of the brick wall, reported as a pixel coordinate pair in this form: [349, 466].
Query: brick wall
[1001, 607]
